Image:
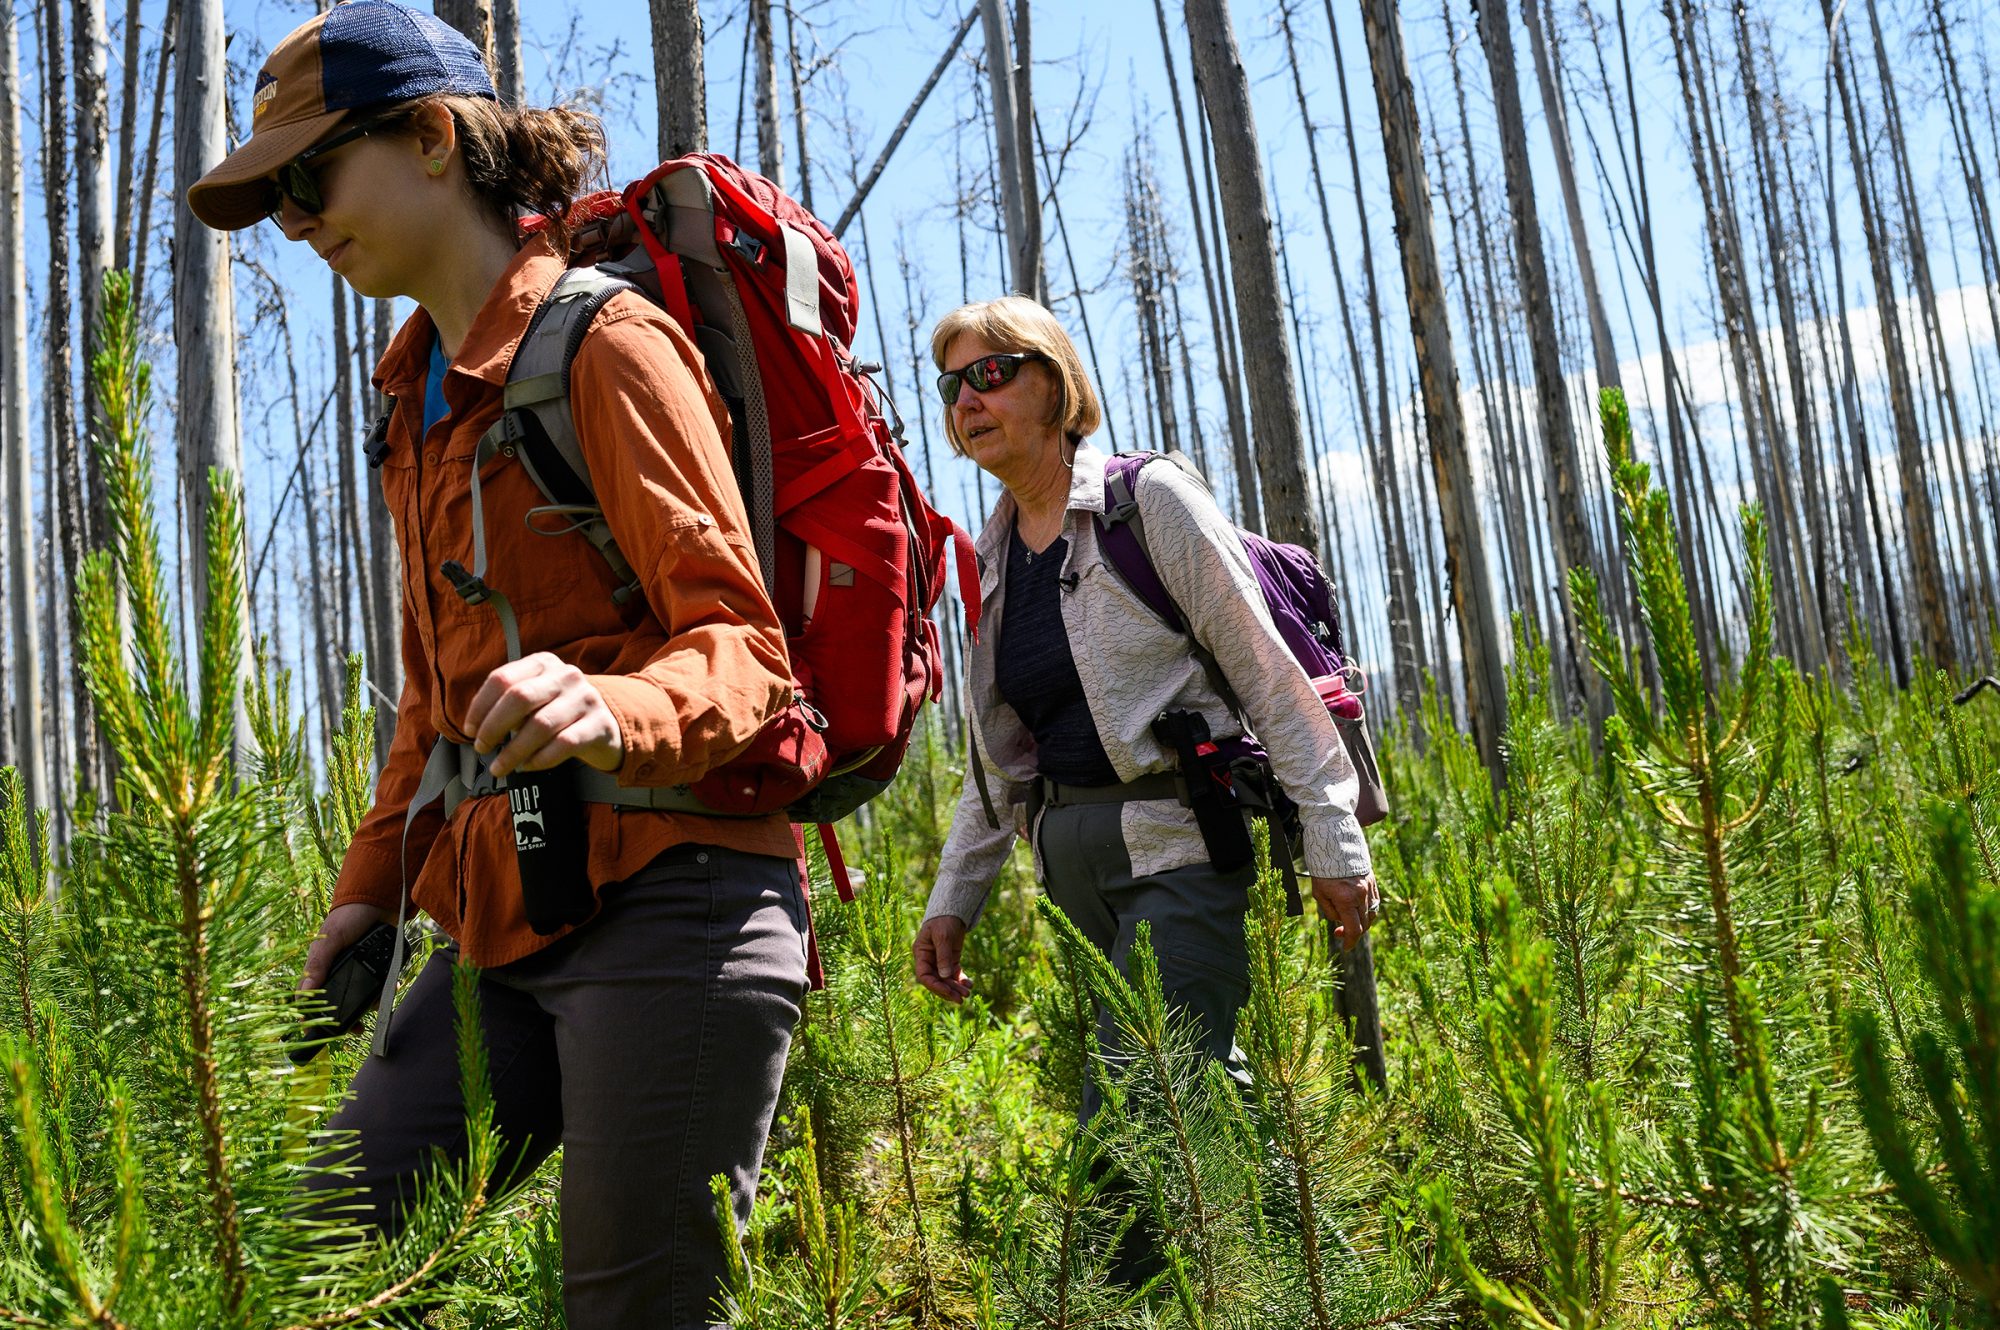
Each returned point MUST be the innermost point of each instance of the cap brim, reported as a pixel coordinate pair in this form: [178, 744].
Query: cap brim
[238, 191]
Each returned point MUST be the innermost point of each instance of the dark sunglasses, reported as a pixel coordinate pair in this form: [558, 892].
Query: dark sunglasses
[296, 180]
[984, 374]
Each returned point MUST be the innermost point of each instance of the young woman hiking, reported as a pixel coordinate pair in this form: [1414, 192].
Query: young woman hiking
[649, 1040]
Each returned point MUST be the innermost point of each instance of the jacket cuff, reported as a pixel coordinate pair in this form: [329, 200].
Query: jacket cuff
[369, 876]
[1337, 847]
[649, 730]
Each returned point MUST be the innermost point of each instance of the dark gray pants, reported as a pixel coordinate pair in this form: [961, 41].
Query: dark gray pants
[650, 1045]
[1196, 916]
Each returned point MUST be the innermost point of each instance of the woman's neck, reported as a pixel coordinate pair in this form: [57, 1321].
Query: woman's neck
[1042, 494]
[463, 277]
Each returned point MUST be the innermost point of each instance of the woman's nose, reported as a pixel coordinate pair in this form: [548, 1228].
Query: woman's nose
[293, 220]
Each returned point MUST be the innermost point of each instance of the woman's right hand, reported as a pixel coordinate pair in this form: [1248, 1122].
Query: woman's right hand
[940, 942]
[344, 926]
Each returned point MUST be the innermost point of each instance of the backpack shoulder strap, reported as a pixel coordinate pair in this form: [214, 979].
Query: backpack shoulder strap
[1123, 529]
[536, 420]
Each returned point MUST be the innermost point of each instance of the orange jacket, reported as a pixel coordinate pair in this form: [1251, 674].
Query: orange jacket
[692, 671]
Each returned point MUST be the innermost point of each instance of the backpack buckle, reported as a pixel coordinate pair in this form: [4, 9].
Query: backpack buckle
[375, 447]
[751, 248]
[472, 590]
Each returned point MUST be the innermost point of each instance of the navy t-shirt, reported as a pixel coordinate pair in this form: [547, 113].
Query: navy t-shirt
[1037, 674]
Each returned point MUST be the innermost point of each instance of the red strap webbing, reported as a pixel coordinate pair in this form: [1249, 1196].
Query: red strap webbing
[836, 865]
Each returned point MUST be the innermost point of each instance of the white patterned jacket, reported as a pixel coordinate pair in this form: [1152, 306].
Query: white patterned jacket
[1133, 667]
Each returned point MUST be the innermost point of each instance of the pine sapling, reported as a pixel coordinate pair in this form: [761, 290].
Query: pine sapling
[1956, 1204]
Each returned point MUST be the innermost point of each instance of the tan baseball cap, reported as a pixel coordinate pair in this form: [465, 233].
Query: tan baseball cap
[357, 55]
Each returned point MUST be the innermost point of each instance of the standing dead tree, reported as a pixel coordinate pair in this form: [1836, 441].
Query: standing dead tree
[678, 76]
[1934, 621]
[1557, 425]
[204, 299]
[1444, 422]
[60, 400]
[1014, 155]
[25, 659]
[1274, 401]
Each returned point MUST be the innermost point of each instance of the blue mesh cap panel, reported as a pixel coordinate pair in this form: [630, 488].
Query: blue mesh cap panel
[373, 52]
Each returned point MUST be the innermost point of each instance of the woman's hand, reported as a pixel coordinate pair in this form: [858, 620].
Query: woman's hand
[552, 711]
[344, 926]
[1350, 903]
[940, 942]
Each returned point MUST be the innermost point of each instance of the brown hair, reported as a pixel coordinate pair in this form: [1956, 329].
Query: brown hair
[520, 159]
[1018, 324]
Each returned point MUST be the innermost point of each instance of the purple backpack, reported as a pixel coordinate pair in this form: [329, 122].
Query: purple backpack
[1296, 591]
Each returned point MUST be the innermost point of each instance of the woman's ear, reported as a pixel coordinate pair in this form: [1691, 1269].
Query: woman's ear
[437, 135]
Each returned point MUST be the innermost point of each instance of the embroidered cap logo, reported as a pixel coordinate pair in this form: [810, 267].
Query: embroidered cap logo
[267, 92]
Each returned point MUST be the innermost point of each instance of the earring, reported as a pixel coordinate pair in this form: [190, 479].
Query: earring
[437, 166]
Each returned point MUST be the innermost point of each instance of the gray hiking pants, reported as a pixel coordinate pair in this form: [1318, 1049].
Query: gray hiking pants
[650, 1044]
[1196, 916]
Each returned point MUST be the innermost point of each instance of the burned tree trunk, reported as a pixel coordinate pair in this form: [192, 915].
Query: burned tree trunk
[204, 301]
[1444, 424]
[60, 403]
[678, 76]
[1274, 405]
[25, 663]
[764, 52]
[1573, 543]
[1919, 522]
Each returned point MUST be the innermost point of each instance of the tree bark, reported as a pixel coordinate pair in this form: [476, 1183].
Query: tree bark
[142, 233]
[797, 67]
[1024, 152]
[1919, 523]
[1400, 602]
[1444, 424]
[507, 68]
[1573, 543]
[1015, 168]
[1274, 399]
[25, 664]
[678, 77]
[128, 130]
[73, 518]
[770, 142]
[1556, 113]
[204, 298]
[1227, 369]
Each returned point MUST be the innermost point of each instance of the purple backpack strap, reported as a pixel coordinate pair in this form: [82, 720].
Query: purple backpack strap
[1121, 538]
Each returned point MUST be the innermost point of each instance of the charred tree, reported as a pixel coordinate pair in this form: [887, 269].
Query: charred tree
[1444, 423]
[1274, 406]
[678, 76]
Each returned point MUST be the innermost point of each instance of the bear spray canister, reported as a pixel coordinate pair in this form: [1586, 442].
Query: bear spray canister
[551, 845]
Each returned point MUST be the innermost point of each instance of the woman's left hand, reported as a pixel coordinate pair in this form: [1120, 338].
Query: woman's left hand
[551, 710]
[1350, 903]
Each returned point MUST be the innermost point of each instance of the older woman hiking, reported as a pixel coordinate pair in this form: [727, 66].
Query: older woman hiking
[1071, 670]
[646, 1036]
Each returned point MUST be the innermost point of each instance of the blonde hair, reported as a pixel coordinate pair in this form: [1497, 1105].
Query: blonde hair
[1017, 324]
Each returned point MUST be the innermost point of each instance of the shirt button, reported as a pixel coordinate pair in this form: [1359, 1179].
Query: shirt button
[431, 458]
[701, 858]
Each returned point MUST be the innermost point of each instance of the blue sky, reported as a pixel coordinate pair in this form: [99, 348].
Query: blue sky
[1103, 59]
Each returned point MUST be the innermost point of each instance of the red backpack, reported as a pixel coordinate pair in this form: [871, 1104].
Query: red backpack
[852, 553]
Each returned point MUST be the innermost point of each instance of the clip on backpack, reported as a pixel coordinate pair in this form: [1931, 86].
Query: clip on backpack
[1301, 603]
[851, 552]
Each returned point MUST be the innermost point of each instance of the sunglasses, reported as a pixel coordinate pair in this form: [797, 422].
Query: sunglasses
[984, 374]
[296, 180]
